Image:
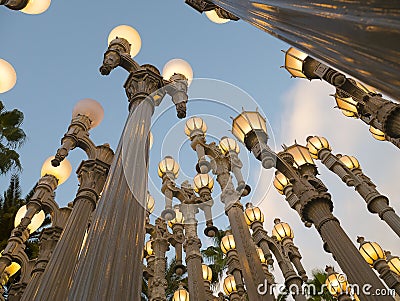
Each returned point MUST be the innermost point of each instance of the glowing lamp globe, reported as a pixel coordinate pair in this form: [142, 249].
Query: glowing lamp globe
[394, 264]
[315, 144]
[35, 7]
[150, 203]
[227, 243]
[61, 172]
[207, 272]
[178, 218]
[151, 140]
[261, 255]
[195, 125]
[8, 76]
[336, 284]
[148, 248]
[181, 295]
[178, 66]
[128, 33]
[350, 162]
[229, 285]
[377, 134]
[90, 108]
[282, 230]
[202, 181]
[371, 251]
[36, 221]
[246, 122]
[294, 60]
[300, 154]
[168, 165]
[253, 214]
[213, 17]
[347, 105]
[228, 144]
[280, 182]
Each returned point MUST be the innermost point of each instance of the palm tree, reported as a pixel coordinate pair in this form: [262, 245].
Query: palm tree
[215, 258]
[317, 290]
[11, 138]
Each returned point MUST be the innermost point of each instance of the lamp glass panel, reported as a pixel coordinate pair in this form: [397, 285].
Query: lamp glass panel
[128, 33]
[253, 214]
[282, 230]
[203, 180]
[261, 255]
[280, 182]
[150, 203]
[350, 161]
[91, 109]
[213, 17]
[61, 172]
[207, 272]
[315, 144]
[377, 134]
[336, 284]
[394, 265]
[178, 66]
[181, 295]
[195, 123]
[228, 144]
[371, 252]
[35, 7]
[294, 62]
[149, 248]
[227, 243]
[229, 285]
[348, 105]
[300, 154]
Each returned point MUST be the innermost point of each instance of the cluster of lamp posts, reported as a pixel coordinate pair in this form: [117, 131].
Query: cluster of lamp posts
[295, 178]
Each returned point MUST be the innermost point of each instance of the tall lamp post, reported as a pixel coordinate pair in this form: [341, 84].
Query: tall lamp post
[224, 160]
[349, 170]
[121, 208]
[92, 175]
[313, 203]
[353, 98]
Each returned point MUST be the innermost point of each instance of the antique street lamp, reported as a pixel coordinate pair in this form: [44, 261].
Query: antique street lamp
[311, 200]
[8, 76]
[348, 169]
[376, 258]
[31, 7]
[224, 159]
[230, 288]
[337, 285]
[354, 99]
[121, 203]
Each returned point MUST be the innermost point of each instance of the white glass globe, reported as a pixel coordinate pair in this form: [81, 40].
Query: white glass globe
[36, 221]
[178, 66]
[35, 7]
[213, 17]
[128, 33]
[61, 172]
[8, 76]
[90, 108]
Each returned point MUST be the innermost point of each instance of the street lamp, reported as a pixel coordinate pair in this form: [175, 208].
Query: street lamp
[31, 7]
[376, 258]
[8, 76]
[282, 230]
[354, 99]
[337, 285]
[311, 200]
[349, 170]
[124, 199]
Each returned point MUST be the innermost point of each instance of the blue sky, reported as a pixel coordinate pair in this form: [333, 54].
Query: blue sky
[57, 55]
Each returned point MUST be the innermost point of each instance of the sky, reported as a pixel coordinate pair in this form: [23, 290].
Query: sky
[57, 55]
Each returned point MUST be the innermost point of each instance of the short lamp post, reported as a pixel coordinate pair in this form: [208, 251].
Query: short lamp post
[31, 7]
[376, 258]
[349, 170]
[312, 202]
[354, 99]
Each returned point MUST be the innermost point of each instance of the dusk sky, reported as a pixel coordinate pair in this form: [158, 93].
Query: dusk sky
[57, 56]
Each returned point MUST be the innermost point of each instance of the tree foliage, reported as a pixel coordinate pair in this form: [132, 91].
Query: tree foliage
[11, 138]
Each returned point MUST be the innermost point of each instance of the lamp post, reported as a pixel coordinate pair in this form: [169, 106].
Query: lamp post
[281, 245]
[312, 202]
[376, 258]
[120, 209]
[31, 7]
[354, 99]
[349, 170]
[224, 160]
[28, 219]
[92, 175]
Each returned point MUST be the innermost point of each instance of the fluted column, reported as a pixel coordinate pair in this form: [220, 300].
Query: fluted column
[251, 268]
[193, 257]
[110, 267]
[346, 254]
[56, 280]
